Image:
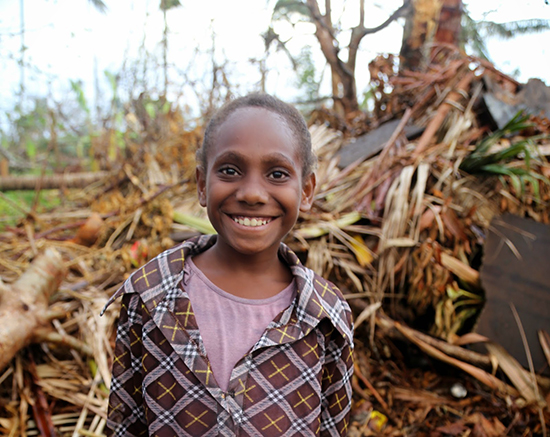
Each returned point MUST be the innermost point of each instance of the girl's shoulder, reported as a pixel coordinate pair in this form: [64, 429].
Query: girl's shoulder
[161, 274]
[319, 298]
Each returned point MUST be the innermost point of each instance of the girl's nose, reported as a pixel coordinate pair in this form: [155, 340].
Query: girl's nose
[251, 191]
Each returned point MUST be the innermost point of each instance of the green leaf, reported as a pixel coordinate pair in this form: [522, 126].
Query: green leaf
[536, 189]
[169, 4]
[517, 184]
[80, 97]
[202, 225]
[112, 78]
[451, 292]
[496, 169]
[150, 109]
[513, 28]
[285, 8]
[31, 149]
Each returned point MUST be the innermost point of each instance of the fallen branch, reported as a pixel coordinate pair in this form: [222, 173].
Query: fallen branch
[67, 180]
[389, 328]
[24, 304]
[488, 379]
[392, 328]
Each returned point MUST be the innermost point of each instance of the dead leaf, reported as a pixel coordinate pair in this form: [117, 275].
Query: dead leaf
[521, 378]
[453, 429]
[471, 337]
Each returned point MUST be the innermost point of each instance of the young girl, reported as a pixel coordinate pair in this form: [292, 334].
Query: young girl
[230, 334]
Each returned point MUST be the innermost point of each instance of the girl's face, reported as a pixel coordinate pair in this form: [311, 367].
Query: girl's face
[253, 186]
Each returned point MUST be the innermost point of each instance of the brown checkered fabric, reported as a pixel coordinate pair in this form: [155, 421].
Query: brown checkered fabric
[296, 380]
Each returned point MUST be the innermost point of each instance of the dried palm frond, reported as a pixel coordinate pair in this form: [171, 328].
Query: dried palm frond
[396, 232]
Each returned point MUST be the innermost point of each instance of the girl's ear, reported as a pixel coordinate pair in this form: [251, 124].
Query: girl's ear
[308, 189]
[200, 174]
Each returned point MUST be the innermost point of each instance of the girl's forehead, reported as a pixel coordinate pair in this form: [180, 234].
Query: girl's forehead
[253, 114]
[254, 132]
[254, 122]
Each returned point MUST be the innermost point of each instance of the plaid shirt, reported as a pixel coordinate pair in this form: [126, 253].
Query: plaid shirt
[296, 380]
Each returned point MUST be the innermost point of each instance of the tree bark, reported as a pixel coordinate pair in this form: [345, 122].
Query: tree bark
[343, 79]
[24, 304]
[67, 180]
[428, 24]
[421, 24]
[450, 23]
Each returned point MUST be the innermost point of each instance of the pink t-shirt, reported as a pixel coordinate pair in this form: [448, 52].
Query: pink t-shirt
[229, 325]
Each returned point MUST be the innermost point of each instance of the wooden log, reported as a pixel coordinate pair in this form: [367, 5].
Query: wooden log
[66, 180]
[24, 304]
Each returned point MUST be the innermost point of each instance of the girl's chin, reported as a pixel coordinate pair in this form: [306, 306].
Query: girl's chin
[249, 247]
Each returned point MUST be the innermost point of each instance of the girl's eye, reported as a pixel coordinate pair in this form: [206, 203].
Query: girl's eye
[228, 171]
[278, 174]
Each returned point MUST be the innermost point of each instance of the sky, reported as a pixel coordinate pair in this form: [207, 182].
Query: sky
[70, 40]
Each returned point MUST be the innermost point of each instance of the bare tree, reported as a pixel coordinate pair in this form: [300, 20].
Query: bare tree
[344, 91]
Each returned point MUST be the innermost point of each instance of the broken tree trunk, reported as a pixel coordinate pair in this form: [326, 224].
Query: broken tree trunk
[67, 180]
[421, 23]
[24, 304]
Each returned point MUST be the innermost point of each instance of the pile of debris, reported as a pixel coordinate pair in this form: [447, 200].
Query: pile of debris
[410, 220]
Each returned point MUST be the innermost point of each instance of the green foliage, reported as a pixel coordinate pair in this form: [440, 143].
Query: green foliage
[169, 4]
[509, 30]
[113, 81]
[470, 34]
[151, 109]
[291, 8]
[80, 97]
[29, 124]
[44, 134]
[479, 158]
[368, 99]
[31, 150]
[9, 213]
[474, 33]
[117, 110]
[499, 163]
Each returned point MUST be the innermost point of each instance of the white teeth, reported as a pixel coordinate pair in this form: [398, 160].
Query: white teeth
[250, 222]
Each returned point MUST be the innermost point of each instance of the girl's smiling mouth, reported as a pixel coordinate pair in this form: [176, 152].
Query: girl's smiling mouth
[251, 221]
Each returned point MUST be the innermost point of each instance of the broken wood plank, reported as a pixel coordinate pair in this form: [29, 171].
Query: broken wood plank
[368, 145]
[515, 272]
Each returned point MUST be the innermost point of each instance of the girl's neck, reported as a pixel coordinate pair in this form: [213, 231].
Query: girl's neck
[249, 276]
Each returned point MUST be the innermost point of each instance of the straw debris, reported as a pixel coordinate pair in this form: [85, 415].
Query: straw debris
[401, 233]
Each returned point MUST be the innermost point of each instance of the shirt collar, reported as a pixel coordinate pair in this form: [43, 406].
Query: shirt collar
[317, 299]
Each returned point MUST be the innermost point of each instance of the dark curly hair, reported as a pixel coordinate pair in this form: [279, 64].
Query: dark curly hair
[290, 114]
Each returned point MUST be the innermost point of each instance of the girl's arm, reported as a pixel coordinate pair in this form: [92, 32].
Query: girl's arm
[126, 415]
[336, 387]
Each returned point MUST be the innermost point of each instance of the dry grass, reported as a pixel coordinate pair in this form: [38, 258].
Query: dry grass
[396, 232]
